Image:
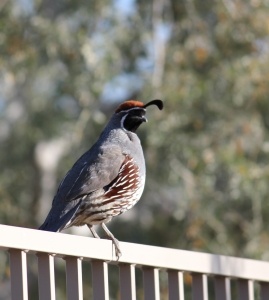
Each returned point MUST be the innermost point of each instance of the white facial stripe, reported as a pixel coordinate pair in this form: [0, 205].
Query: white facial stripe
[122, 121]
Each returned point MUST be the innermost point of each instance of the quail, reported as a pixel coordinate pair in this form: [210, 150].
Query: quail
[108, 179]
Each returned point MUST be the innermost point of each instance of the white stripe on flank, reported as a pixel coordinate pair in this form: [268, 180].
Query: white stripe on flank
[85, 164]
[124, 177]
[119, 184]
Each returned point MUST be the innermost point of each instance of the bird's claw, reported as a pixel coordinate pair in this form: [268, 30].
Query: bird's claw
[117, 248]
[114, 241]
[116, 245]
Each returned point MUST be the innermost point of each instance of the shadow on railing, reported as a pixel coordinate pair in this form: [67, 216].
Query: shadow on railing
[73, 249]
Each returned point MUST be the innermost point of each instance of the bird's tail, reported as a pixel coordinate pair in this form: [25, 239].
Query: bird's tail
[56, 220]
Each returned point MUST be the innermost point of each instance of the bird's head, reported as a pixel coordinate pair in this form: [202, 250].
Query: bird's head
[132, 113]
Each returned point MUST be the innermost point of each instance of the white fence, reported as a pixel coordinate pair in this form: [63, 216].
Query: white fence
[73, 249]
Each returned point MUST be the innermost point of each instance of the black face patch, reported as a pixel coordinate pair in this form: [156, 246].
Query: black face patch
[134, 119]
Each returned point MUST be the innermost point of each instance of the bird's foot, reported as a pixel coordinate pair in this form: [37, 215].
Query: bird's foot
[116, 244]
[114, 241]
[117, 248]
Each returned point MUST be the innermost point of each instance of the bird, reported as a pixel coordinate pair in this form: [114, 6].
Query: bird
[108, 179]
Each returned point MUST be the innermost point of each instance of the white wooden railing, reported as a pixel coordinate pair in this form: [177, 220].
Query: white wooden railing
[20, 242]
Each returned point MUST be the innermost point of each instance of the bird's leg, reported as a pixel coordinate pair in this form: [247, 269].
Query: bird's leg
[114, 240]
[93, 231]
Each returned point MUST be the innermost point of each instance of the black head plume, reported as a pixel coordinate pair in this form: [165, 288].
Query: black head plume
[157, 102]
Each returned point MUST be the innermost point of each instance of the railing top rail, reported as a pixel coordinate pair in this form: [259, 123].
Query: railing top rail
[90, 248]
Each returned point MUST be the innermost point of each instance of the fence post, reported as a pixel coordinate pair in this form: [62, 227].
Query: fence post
[73, 278]
[18, 272]
[245, 289]
[175, 285]
[264, 290]
[127, 282]
[46, 278]
[100, 280]
[199, 286]
[222, 288]
[151, 283]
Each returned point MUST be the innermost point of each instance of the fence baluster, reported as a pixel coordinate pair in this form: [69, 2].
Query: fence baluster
[264, 290]
[151, 283]
[199, 287]
[222, 288]
[46, 278]
[175, 285]
[100, 280]
[245, 289]
[127, 282]
[74, 278]
[18, 272]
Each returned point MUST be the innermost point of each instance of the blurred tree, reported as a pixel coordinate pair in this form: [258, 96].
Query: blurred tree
[65, 65]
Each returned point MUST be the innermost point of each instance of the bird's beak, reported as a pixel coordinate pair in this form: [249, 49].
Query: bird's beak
[144, 119]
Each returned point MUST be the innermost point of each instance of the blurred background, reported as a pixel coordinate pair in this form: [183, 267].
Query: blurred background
[65, 66]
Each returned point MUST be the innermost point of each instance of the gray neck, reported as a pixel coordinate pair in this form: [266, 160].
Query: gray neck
[127, 140]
